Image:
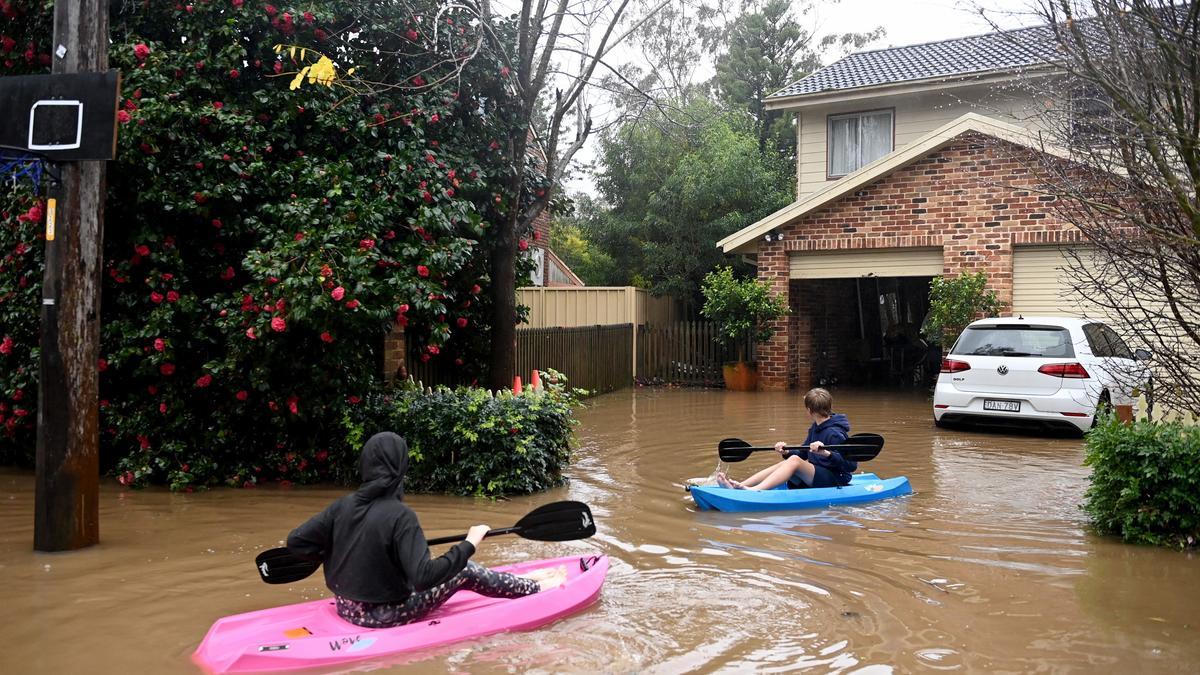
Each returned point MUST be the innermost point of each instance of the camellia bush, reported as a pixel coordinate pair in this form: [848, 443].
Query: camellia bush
[1145, 482]
[954, 302]
[261, 240]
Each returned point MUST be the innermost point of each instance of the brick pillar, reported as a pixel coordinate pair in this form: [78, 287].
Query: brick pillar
[773, 354]
[394, 346]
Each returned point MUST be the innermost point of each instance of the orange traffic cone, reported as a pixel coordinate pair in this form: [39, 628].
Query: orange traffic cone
[516, 385]
[536, 381]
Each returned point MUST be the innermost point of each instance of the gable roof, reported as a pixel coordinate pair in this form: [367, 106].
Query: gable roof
[937, 139]
[977, 54]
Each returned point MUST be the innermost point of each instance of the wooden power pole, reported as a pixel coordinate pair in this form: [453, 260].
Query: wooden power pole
[67, 503]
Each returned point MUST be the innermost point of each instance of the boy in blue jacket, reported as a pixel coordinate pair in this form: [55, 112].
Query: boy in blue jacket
[822, 467]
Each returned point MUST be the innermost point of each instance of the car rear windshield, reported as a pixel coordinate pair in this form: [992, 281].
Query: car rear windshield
[1017, 340]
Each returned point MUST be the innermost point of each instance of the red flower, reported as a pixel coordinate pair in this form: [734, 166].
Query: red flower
[434, 349]
[293, 404]
[278, 324]
[326, 271]
[434, 117]
[299, 237]
[250, 333]
[200, 198]
[352, 304]
[493, 145]
[321, 455]
[422, 271]
[141, 51]
[125, 478]
[273, 406]
[167, 276]
[354, 400]
[402, 308]
[475, 289]
[523, 245]
[427, 197]
[242, 395]
[142, 250]
[6, 347]
[199, 65]
[162, 408]
[152, 390]
[366, 244]
[278, 67]
[123, 117]
[237, 4]
[159, 344]
[271, 10]
[203, 381]
[156, 297]
[418, 81]
[308, 16]
[504, 71]
[234, 74]
[172, 296]
[227, 274]
[326, 337]
[338, 293]
[462, 322]
[143, 442]
[217, 105]
[167, 369]
[412, 35]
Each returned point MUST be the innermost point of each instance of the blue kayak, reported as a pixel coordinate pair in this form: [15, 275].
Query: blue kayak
[863, 487]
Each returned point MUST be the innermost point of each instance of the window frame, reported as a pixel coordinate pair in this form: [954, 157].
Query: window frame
[829, 120]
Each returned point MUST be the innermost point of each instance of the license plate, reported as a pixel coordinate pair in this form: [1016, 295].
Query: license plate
[1006, 406]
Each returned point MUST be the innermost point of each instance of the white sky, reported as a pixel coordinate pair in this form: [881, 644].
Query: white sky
[906, 22]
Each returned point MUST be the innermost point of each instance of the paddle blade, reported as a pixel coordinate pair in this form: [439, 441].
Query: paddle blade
[560, 521]
[280, 566]
[733, 450]
[862, 447]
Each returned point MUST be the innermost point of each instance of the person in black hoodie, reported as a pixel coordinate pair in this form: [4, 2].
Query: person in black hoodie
[822, 467]
[377, 563]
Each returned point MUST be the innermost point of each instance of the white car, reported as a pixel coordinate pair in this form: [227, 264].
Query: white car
[1047, 372]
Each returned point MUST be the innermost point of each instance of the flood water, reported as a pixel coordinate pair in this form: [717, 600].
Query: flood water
[988, 566]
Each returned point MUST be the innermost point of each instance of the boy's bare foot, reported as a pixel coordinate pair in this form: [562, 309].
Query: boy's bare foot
[727, 482]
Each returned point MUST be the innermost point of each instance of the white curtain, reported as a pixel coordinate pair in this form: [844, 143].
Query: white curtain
[858, 140]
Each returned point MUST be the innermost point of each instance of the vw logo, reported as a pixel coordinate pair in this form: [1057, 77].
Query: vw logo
[1003, 370]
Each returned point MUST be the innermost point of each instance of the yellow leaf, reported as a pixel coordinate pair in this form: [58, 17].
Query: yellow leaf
[302, 53]
[298, 79]
[350, 72]
[292, 53]
[278, 48]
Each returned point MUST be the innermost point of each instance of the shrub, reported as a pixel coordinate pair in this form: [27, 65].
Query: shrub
[470, 441]
[740, 307]
[955, 302]
[1145, 482]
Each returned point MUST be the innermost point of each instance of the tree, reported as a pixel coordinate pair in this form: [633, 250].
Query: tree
[676, 189]
[570, 238]
[954, 302]
[741, 308]
[765, 49]
[1123, 107]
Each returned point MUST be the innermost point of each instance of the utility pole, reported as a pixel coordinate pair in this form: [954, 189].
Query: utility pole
[67, 504]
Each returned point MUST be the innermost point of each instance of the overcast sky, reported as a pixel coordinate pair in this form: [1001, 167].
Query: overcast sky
[906, 22]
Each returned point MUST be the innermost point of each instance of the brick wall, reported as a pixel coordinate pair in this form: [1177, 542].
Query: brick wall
[393, 355]
[975, 199]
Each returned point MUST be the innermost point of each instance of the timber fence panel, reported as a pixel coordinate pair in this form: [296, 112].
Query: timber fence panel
[684, 353]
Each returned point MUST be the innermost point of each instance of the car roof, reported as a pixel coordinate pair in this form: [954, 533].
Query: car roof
[1064, 321]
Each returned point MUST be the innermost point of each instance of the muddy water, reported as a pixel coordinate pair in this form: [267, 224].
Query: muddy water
[987, 567]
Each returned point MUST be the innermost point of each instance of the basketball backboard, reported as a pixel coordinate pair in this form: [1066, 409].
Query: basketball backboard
[67, 117]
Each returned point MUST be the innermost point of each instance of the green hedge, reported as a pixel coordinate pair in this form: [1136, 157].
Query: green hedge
[471, 441]
[1145, 482]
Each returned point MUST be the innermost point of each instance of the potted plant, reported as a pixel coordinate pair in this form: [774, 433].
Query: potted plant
[743, 310]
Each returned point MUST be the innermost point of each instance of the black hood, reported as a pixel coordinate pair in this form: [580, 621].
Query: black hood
[383, 464]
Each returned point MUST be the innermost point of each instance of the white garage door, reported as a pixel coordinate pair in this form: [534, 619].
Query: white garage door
[1042, 284]
[903, 262]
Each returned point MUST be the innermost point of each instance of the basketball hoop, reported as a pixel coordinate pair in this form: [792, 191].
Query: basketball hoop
[18, 163]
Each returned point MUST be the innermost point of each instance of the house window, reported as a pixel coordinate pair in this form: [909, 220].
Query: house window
[857, 139]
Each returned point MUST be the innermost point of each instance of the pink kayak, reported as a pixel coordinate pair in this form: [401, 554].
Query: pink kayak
[311, 634]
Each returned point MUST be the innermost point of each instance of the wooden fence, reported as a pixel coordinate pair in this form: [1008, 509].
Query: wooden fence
[577, 306]
[602, 358]
[596, 358]
[683, 353]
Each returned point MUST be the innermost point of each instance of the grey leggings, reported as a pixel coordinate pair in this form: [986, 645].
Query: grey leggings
[474, 577]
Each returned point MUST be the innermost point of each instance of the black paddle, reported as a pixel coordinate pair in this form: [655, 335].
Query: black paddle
[857, 448]
[559, 521]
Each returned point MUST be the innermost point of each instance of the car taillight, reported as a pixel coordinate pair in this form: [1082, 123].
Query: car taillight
[1074, 371]
[952, 366]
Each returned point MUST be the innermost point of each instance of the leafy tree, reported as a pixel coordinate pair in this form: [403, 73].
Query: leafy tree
[570, 239]
[765, 49]
[676, 190]
[955, 302]
[740, 308]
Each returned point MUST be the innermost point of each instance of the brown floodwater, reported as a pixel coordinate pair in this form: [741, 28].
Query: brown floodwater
[988, 566]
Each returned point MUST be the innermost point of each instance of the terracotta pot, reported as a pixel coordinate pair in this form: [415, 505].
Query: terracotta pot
[740, 376]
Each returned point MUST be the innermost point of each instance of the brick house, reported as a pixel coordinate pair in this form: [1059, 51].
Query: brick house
[909, 167]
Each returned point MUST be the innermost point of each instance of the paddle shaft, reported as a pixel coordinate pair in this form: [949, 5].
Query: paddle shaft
[839, 448]
[462, 537]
